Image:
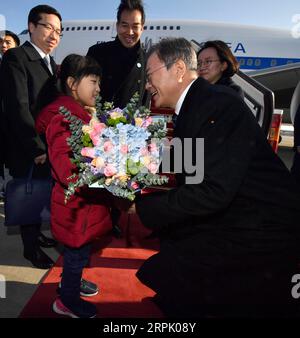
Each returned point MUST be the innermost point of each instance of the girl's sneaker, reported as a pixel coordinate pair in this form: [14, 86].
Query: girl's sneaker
[80, 309]
[87, 288]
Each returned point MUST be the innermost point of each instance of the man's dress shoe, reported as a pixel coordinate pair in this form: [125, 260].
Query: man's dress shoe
[46, 242]
[39, 259]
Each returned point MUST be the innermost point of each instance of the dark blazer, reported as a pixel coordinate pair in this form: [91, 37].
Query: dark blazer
[123, 72]
[23, 76]
[219, 233]
[228, 82]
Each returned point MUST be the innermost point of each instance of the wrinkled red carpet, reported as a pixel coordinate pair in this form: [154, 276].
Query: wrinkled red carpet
[113, 265]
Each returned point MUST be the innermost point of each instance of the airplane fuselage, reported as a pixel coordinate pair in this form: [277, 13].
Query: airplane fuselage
[254, 47]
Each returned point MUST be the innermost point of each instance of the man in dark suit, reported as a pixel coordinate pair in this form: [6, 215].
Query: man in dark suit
[8, 40]
[123, 64]
[123, 60]
[230, 234]
[25, 71]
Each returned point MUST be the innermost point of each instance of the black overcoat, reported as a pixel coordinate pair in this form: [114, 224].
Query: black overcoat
[224, 240]
[123, 72]
[23, 76]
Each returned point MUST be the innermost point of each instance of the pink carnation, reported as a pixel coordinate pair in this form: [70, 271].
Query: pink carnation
[110, 170]
[108, 146]
[124, 149]
[144, 151]
[88, 152]
[152, 167]
[95, 137]
[147, 122]
[98, 127]
[152, 148]
[134, 185]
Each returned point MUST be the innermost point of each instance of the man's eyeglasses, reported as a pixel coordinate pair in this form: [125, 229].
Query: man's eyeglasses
[148, 75]
[50, 28]
[206, 63]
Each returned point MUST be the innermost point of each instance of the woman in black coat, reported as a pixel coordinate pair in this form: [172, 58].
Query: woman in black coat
[217, 64]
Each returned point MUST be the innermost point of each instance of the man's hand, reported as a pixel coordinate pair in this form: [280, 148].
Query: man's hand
[40, 159]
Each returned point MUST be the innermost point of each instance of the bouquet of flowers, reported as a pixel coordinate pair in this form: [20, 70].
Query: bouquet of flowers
[119, 149]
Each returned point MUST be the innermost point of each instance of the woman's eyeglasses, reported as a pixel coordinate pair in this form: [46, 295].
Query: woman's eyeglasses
[206, 63]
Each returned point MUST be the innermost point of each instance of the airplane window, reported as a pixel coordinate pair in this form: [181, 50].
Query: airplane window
[84, 28]
[242, 62]
[164, 28]
[25, 31]
[178, 28]
[249, 62]
[96, 28]
[158, 28]
[171, 28]
[101, 28]
[73, 28]
[62, 29]
[257, 62]
[151, 28]
[107, 28]
[273, 63]
[67, 28]
[145, 27]
[90, 28]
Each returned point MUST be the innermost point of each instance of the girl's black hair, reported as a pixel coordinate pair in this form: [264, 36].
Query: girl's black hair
[77, 66]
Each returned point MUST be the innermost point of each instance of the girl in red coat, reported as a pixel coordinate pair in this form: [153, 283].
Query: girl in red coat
[85, 216]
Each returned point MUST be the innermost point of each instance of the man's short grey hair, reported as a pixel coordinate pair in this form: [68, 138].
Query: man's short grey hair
[169, 50]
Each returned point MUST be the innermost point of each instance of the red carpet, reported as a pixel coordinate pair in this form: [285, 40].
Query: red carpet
[113, 265]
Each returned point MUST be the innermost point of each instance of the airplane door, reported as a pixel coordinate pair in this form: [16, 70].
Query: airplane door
[259, 99]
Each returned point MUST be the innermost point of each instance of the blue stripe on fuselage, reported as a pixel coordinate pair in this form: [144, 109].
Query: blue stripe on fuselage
[254, 63]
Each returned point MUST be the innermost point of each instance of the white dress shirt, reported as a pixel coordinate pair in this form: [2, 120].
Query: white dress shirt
[182, 97]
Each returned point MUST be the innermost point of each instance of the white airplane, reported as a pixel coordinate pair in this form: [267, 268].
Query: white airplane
[271, 56]
[255, 47]
[272, 50]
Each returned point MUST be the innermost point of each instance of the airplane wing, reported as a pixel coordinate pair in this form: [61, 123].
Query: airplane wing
[282, 80]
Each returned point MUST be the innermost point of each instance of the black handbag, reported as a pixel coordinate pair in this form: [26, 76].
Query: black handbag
[27, 200]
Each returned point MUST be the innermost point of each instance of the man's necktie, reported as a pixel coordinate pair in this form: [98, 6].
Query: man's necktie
[47, 63]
